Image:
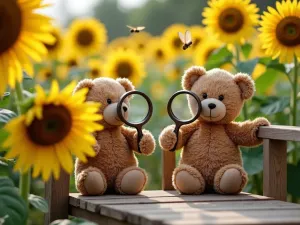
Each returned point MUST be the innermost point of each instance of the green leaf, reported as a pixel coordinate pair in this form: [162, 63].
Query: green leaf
[38, 202]
[274, 107]
[266, 80]
[253, 160]
[5, 116]
[274, 64]
[4, 101]
[246, 49]
[11, 203]
[73, 221]
[293, 172]
[3, 135]
[26, 76]
[247, 66]
[7, 161]
[218, 58]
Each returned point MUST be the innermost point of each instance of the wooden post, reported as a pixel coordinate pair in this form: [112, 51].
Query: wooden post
[168, 166]
[275, 169]
[57, 196]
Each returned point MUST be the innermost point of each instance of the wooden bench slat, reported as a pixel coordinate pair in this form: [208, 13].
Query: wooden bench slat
[133, 213]
[276, 132]
[225, 217]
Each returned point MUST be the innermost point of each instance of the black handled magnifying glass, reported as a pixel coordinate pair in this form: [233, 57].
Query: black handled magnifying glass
[137, 125]
[178, 122]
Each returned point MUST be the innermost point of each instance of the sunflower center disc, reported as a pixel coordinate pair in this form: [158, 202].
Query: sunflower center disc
[72, 63]
[231, 20]
[196, 41]
[52, 128]
[159, 54]
[177, 43]
[288, 31]
[10, 24]
[53, 46]
[124, 70]
[48, 74]
[95, 73]
[85, 37]
[141, 46]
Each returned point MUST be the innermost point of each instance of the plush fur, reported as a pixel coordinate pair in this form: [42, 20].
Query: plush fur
[211, 158]
[115, 163]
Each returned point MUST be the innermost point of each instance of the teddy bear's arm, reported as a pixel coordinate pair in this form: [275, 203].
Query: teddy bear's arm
[147, 143]
[167, 138]
[245, 133]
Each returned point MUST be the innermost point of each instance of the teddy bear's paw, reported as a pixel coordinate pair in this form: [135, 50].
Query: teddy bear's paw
[147, 143]
[188, 180]
[230, 179]
[167, 139]
[131, 181]
[91, 181]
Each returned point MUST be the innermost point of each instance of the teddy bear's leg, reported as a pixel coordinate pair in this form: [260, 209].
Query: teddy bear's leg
[188, 180]
[230, 179]
[131, 181]
[91, 181]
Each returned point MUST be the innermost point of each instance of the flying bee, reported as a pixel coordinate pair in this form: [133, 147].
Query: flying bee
[186, 39]
[135, 29]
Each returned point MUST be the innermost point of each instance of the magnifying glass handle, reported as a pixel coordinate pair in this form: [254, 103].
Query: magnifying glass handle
[176, 131]
[139, 138]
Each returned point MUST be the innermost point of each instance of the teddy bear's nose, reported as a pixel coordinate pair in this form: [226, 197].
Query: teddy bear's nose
[125, 108]
[211, 105]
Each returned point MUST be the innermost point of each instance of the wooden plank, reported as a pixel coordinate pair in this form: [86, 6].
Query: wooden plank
[168, 166]
[134, 213]
[94, 217]
[57, 195]
[275, 169]
[94, 205]
[226, 217]
[286, 133]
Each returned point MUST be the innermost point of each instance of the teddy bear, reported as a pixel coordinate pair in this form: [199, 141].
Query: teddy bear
[211, 158]
[114, 169]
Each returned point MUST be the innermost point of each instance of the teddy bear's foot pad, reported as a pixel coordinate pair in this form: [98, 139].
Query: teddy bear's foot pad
[131, 181]
[94, 183]
[187, 180]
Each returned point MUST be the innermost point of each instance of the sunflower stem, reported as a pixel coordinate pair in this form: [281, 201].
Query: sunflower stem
[294, 105]
[24, 182]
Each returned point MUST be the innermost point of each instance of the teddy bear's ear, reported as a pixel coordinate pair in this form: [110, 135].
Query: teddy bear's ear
[191, 75]
[126, 84]
[246, 85]
[86, 83]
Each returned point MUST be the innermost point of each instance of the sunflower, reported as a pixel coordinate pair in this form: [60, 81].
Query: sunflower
[23, 32]
[157, 90]
[171, 39]
[119, 43]
[174, 72]
[204, 50]
[95, 68]
[158, 53]
[280, 31]
[55, 126]
[139, 41]
[257, 50]
[198, 35]
[231, 21]
[54, 49]
[86, 36]
[47, 73]
[127, 64]
[258, 71]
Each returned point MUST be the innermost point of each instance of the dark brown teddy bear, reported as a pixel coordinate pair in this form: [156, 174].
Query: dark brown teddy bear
[115, 167]
[211, 157]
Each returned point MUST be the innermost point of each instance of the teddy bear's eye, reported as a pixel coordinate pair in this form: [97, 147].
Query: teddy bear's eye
[221, 97]
[204, 95]
[109, 101]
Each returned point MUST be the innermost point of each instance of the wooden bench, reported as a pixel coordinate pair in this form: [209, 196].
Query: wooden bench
[168, 207]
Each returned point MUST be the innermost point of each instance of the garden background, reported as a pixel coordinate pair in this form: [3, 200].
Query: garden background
[156, 64]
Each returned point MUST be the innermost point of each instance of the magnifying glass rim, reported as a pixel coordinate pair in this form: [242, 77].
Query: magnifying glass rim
[174, 117]
[147, 117]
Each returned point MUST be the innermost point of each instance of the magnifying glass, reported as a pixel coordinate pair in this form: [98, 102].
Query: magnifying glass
[178, 122]
[137, 125]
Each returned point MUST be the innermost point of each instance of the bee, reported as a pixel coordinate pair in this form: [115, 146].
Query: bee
[135, 29]
[185, 39]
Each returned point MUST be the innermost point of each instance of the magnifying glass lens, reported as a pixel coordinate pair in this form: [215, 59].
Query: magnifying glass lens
[138, 109]
[180, 107]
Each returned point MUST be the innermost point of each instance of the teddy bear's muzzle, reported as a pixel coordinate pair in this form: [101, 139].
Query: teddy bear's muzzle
[110, 114]
[212, 110]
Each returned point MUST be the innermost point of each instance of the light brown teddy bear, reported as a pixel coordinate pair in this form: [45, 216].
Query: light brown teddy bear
[115, 167]
[211, 158]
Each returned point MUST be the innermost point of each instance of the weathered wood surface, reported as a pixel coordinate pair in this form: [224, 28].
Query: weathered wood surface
[275, 132]
[160, 207]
